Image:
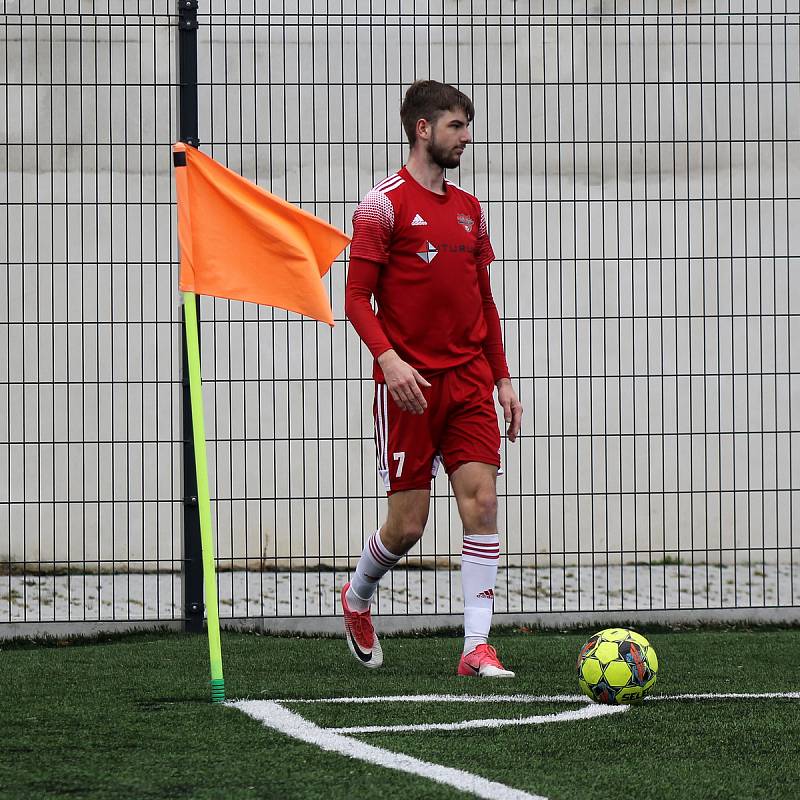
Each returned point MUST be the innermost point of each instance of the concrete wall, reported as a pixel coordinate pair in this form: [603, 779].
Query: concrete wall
[641, 176]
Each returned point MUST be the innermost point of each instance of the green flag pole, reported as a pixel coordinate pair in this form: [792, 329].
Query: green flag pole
[203, 499]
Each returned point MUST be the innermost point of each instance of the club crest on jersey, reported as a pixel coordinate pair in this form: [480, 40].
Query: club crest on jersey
[428, 252]
[466, 221]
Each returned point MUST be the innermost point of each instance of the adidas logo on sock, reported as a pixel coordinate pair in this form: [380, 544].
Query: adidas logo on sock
[418, 221]
[486, 594]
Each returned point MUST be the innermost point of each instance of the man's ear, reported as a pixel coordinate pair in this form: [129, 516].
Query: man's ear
[423, 129]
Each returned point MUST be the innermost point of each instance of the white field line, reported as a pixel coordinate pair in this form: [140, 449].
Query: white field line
[587, 712]
[726, 696]
[274, 715]
[452, 698]
[538, 698]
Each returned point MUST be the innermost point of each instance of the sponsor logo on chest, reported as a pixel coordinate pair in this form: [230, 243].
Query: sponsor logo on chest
[428, 252]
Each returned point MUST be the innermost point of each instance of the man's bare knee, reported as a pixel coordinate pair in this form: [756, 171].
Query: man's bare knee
[405, 524]
[400, 535]
[486, 504]
[478, 508]
[476, 494]
[481, 508]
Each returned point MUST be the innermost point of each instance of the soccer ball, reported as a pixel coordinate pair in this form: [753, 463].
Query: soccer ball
[617, 665]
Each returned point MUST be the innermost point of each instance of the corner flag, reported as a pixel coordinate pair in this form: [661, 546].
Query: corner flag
[240, 242]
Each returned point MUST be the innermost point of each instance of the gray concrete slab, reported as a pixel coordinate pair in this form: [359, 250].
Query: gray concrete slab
[408, 598]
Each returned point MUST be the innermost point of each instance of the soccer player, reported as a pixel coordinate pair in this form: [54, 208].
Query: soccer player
[421, 249]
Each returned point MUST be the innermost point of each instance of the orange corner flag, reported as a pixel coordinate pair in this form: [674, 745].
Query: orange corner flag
[240, 242]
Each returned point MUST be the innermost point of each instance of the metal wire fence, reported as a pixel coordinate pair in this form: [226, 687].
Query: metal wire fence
[640, 170]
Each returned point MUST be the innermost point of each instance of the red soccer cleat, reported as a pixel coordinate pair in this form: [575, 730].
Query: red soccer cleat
[483, 662]
[360, 635]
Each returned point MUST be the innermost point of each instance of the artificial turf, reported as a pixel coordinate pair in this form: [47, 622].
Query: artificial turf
[130, 717]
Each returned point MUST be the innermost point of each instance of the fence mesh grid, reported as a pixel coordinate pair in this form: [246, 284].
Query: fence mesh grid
[640, 172]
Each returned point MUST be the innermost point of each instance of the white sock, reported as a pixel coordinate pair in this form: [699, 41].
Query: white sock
[374, 563]
[478, 575]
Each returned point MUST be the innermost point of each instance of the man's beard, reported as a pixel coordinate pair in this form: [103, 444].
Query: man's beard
[443, 157]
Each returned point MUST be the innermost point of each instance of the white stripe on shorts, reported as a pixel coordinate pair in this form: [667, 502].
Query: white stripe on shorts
[385, 428]
[379, 426]
[382, 432]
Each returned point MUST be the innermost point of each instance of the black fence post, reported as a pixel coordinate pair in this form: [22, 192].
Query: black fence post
[192, 583]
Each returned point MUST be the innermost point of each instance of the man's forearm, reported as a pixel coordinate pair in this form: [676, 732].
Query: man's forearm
[361, 282]
[493, 344]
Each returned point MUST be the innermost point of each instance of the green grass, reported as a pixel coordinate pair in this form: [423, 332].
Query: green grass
[130, 717]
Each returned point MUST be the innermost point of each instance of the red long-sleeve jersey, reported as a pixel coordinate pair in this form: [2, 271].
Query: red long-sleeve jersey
[423, 256]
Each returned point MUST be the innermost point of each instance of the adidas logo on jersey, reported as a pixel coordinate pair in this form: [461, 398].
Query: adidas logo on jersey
[418, 221]
[486, 594]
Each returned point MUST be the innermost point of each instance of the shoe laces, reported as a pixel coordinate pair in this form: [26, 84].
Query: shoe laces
[362, 625]
[486, 652]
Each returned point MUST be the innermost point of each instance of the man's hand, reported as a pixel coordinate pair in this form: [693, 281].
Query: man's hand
[512, 408]
[403, 382]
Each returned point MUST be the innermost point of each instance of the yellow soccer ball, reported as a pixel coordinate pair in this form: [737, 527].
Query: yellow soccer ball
[617, 665]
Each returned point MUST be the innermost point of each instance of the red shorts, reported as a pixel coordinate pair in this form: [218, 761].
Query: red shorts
[458, 426]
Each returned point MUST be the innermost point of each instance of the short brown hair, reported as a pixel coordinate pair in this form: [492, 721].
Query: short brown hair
[429, 100]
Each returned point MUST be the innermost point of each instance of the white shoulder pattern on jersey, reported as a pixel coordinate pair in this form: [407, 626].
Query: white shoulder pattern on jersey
[387, 184]
[376, 206]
